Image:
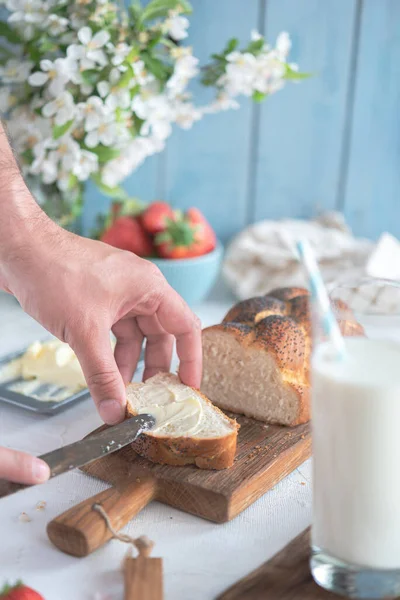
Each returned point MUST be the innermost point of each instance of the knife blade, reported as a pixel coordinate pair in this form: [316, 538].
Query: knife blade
[89, 449]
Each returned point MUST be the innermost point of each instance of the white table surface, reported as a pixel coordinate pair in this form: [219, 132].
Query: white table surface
[201, 559]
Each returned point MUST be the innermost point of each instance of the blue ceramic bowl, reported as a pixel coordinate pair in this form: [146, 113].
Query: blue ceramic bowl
[192, 278]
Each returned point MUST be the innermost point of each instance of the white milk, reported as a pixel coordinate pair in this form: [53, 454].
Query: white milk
[356, 448]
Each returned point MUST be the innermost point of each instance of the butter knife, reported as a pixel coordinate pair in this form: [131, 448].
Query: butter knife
[86, 451]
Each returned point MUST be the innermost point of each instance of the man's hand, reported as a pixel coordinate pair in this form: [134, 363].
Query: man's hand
[80, 290]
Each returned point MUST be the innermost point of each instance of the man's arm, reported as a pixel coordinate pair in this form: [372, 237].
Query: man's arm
[80, 290]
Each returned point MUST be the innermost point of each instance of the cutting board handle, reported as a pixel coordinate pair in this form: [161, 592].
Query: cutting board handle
[81, 530]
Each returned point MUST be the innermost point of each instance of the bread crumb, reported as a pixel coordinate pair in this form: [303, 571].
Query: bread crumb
[303, 436]
[137, 479]
[24, 518]
[41, 505]
[302, 483]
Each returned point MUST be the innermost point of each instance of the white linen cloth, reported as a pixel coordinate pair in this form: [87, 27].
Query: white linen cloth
[263, 257]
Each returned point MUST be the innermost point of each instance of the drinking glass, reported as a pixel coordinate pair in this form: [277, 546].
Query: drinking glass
[356, 444]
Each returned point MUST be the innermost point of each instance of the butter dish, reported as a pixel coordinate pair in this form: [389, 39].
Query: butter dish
[35, 394]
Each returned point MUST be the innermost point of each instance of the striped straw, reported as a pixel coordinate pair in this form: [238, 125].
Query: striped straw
[320, 297]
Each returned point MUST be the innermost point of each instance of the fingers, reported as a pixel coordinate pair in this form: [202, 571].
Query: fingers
[176, 318]
[104, 380]
[128, 347]
[22, 468]
[159, 346]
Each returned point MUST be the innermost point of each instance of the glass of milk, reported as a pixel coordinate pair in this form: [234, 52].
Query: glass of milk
[356, 448]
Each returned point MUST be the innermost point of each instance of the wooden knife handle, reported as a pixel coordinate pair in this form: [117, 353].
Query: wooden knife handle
[81, 530]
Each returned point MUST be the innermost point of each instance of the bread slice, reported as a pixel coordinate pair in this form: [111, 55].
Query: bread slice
[189, 429]
[257, 361]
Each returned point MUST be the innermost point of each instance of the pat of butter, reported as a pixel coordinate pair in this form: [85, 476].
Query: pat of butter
[52, 362]
[176, 418]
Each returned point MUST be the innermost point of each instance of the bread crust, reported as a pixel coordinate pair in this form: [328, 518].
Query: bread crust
[280, 325]
[206, 453]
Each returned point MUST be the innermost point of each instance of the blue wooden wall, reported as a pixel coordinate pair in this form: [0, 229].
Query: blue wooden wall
[331, 142]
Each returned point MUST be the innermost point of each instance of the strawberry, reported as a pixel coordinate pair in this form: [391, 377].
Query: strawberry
[19, 592]
[126, 233]
[186, 236]
[196, 217]
[154, 218]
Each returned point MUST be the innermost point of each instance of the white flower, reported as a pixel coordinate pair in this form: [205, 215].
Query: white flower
[89, 52]
[27, 129]
[121, 51]
[184, 70]
[48, 172]
[39, 155]
[186, 114]
[58, 73]
[86, 163]
[255, 35]
[7, 99]
[56, 25]
[142, 77]
[156, 113]
[64, 152]
[116, 96]
[223, 101]
[63, 179]
[61, 108]
[176, 26]
[239, 74]
[130, 159]
[105, 133]
[15, 71]
[283, 45]
[92, 112]
[28, 11]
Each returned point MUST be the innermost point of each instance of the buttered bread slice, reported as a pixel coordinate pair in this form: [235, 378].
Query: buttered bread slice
[189, 428]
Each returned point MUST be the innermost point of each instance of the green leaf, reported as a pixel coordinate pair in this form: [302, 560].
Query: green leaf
[156, 67]
[256, 46]
[133, 54]
[258, 96]
[46, 45]
[10, 34]
[27, 155]
[104, 153]
[90, 76]
[126, 78]
[72, 182]
[117, 193]
[59, 130]
[34, 52]
[295, 75]
[231, 46]
[155, 40]
[160, 8]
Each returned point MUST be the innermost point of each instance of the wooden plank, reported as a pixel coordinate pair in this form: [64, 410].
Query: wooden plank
[372, 193]
[208, 165]
[301, 127]
[285, 577]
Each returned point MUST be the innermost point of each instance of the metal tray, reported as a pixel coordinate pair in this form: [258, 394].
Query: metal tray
[27, 402]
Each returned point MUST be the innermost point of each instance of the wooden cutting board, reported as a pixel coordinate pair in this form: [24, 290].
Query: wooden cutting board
[285, 577]
[265, 455]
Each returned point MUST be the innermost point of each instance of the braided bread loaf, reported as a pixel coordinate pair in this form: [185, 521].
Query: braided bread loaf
[257, 361]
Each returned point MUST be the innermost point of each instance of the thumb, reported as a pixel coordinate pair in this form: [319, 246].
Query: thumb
[104, 380]
[22, 468]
